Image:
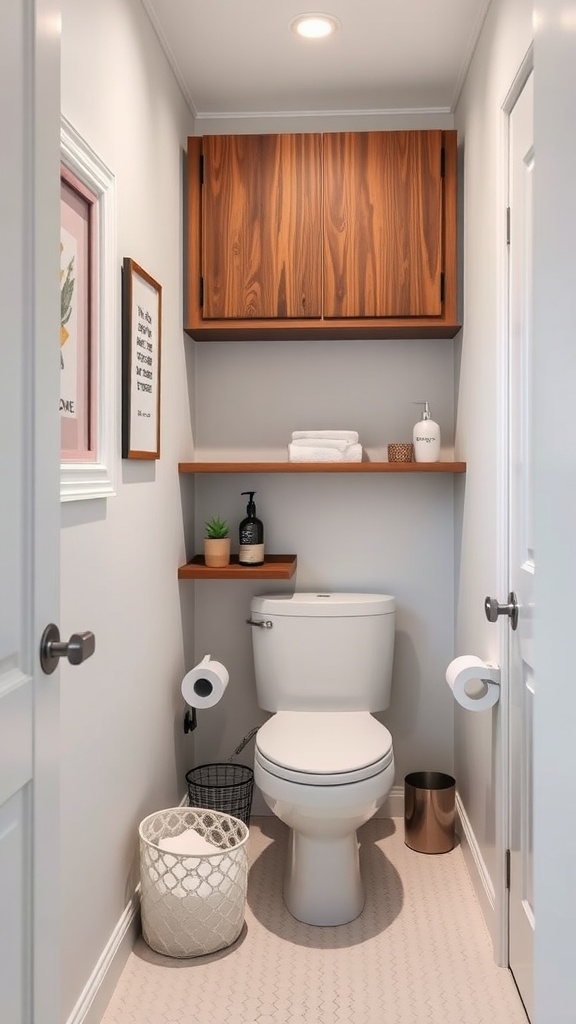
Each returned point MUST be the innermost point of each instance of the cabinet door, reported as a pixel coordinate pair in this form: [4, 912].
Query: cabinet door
[383, 224]
[261, 226]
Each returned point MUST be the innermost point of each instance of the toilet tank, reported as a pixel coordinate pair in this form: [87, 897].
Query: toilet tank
[323, 651]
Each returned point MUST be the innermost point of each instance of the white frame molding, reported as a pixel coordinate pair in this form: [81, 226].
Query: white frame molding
[87, 480]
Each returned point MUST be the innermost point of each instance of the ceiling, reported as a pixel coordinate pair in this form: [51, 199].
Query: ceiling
[239, 57]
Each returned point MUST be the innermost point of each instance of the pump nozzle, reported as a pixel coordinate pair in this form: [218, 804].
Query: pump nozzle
[426, 413]
[251, 507]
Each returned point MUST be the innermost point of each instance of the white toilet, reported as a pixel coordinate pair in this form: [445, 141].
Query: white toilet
[323, 763]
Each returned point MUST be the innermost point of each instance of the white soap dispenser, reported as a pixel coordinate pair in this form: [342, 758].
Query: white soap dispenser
[426, 437]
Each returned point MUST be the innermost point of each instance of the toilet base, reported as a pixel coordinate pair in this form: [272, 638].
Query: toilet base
[322, 885]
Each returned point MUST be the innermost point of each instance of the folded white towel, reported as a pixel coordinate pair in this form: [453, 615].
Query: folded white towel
[336, 435]
[303, 453]
[353, 453]
[321, 442]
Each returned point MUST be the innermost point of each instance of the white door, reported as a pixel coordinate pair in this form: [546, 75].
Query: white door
[29, 509]
[521, 545]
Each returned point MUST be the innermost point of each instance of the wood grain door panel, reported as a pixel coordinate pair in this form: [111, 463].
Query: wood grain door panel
[382, 224]
[261, 226]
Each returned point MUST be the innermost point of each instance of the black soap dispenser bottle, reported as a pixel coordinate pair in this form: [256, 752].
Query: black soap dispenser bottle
[251, 535]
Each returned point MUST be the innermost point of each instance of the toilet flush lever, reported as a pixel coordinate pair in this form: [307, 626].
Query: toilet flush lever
[264, 624]
[493, 609]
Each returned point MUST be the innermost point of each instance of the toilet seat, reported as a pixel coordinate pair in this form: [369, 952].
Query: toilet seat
[318, 748]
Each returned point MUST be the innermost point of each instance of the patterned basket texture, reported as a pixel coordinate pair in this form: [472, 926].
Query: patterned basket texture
[400, 451]
[192, 904]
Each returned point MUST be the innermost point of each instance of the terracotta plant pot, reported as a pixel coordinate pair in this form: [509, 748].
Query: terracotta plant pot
[217, 552]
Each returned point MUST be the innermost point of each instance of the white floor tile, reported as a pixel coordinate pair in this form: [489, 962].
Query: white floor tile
[418, 954]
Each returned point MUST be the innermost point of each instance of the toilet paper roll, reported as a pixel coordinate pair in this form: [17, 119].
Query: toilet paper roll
[204, 685]
[474, 683]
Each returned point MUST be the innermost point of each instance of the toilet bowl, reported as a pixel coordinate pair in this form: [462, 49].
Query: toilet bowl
[323, 763]
[324, 774]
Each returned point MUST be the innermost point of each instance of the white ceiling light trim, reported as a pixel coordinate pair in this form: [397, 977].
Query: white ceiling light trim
[314, 25]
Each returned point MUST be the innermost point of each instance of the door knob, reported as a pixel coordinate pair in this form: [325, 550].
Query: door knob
[493, 609]
[79, 647]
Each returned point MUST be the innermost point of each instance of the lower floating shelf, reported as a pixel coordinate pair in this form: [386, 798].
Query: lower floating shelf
[276, 567]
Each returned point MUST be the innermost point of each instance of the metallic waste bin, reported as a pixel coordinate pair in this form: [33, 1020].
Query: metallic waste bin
[429, 812]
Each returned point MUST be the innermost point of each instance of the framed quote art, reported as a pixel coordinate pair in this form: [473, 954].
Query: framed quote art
[87, 320]
[141, 362]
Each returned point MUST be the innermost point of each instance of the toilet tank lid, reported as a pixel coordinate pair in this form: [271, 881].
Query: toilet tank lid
[324, 604]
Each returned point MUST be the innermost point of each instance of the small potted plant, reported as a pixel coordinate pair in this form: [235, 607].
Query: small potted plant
[217, 543]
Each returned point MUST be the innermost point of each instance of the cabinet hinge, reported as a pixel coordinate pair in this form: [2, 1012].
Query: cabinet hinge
[442, 162]
[442, 287]
[507, 225]
[201, 168]
[201, 296]
[507, 869]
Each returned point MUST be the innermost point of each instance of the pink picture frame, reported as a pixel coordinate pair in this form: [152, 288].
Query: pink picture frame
[78, 319]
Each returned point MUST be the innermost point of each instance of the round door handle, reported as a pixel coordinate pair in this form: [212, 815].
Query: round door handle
[79, 647]
[494, 609]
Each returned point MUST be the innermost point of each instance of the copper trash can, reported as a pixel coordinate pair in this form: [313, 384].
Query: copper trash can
[429, 812]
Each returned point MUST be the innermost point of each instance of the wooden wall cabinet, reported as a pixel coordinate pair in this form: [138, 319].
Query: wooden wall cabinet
[339, 235]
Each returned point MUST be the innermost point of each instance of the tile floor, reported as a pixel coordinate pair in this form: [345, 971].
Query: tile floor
[418, 954]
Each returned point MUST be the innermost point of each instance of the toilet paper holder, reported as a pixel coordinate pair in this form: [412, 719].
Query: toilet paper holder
[190, 720]
[490, 674]
[467, 669]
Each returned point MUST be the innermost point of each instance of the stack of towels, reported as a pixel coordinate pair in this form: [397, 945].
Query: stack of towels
[324, 446]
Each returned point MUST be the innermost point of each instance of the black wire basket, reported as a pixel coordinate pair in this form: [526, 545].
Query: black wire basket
[222, 787]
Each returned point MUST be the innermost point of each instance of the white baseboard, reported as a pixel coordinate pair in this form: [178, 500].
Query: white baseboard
[101, 984]
[479, 875]
[477, 869]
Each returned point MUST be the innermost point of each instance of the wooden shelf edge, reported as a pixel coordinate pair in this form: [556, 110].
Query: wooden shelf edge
[276, 567]
[311, 330]
[321, 467]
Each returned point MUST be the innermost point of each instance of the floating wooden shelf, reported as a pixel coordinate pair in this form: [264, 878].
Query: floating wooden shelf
[276, 567]
[322, 467]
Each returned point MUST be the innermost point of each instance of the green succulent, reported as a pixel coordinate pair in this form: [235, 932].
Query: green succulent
[216, 528]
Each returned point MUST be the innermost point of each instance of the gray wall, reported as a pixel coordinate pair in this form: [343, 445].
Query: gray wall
[122, 745]
[124, 753]
[391, 534]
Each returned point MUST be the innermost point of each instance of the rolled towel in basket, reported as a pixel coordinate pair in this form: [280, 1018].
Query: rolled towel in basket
[188, 843]
[337, 435]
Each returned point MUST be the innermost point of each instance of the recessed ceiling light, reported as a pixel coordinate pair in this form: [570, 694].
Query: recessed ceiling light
[314, 25]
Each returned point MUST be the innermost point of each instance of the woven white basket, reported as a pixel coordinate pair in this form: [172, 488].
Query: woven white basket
[193, 904]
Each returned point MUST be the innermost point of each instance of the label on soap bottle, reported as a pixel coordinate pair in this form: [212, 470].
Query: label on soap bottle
[251, 554]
